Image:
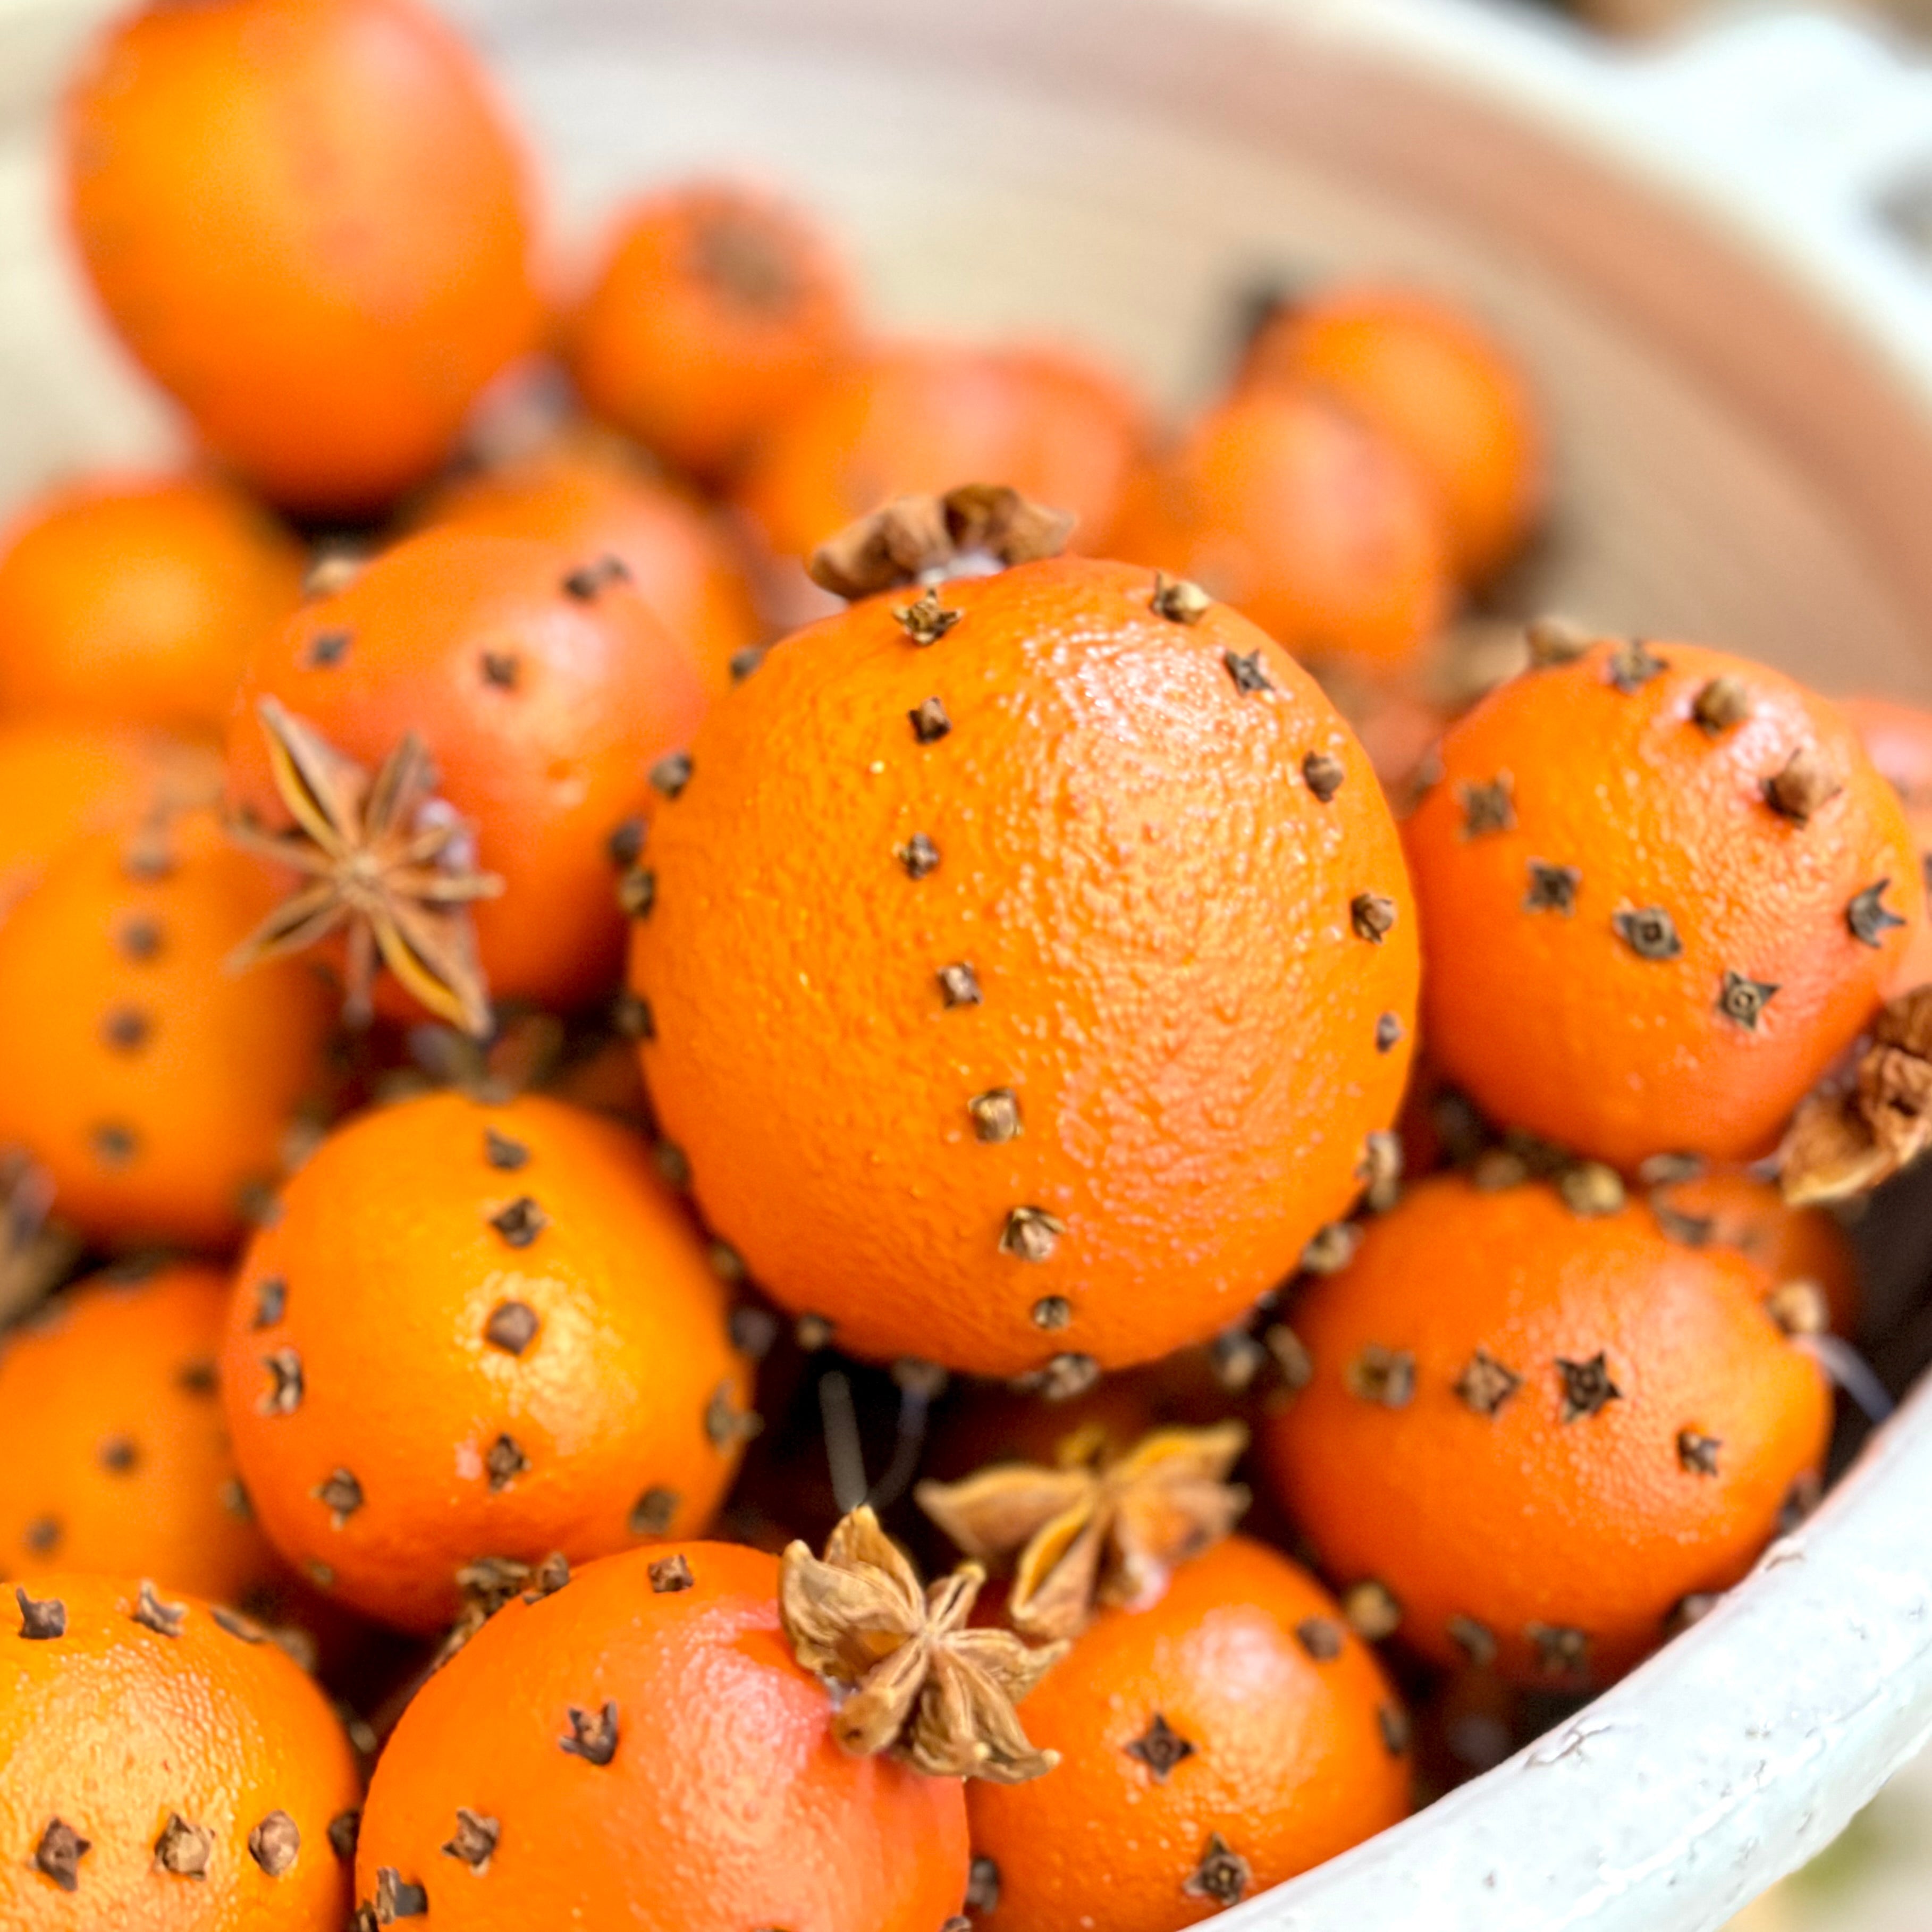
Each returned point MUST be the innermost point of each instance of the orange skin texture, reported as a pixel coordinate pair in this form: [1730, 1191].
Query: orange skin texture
[1616, 1055]
[113, 1726]
[1289, 1765]
[60, 782]
[544, 769]
[1520, 1518]
[135, 601]
[924, 417]
[1304, 519]
[727, 1805]
[207, 1092]
[596, 500]
[1158, 912]
[393, 1269]
[1787, 1243]
[111, 1366]
[310, 223]
[1441, 388]
[1898, 738]
[690, 361]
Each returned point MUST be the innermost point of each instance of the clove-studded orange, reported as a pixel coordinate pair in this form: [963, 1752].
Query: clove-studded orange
[717, 309]
[156, 1088]
[1793, 1247]
[474, 1335]
[640, 1746]
[452, 754]
[1662, 890]
[163, 1767]
[135, 600]
[1228, 1735]
[1303, 519]
[59, 781]
[114, 1457]
[1440, 388]
[310, 222]
[917, 417]
[1028, 959]
[1898, 738]
[1531, 1433]
[593, 497]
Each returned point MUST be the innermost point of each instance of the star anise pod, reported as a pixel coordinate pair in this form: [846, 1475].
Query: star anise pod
[383, 858]
[33, 1256]
[1087, 1534]
[919, 1681]
[1846, 1142]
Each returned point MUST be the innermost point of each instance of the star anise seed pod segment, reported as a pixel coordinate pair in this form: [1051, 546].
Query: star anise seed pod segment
[1845, 1142]
[382, 857]
[1086, 1535]
[918, 1681]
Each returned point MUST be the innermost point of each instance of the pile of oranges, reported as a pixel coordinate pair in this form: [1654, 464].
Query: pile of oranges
[689, 1074]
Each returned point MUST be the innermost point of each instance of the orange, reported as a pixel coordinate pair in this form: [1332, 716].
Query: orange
[1024, 998]
[471, 1333]
[1440, 388]
[929, 416]
[1662, 890]
[542, 690]
[1898, 738]
[722, 1805]
[59, 781]
[310, 222]
[155, 1087]
[1540, 1432]
[135, 599]
[594, 498]
[1232, 1735]
[113, 1456]
[163, 1768]
[716, 308]
[1305, 520]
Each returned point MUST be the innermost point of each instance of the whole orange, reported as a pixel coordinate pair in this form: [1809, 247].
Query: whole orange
[721, 1804]
[542, 689]
[716, 308]
[1662, 890]
[476, 1333]
[1030, 991]
[1539, 1431]
[1439, 386]
[1231, 1736]
[311, 224]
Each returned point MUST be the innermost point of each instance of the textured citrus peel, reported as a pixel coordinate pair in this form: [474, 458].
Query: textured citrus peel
[970, 532]
[1083, 1535]
[919, 1682]
[1845, 1142]
[382, 857]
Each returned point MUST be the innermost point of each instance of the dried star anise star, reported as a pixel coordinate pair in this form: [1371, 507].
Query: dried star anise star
[382, 857]
[1085, 1535]
[918, 1681]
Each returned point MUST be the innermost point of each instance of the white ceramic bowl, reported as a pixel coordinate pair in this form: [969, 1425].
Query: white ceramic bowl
[1706, 257]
